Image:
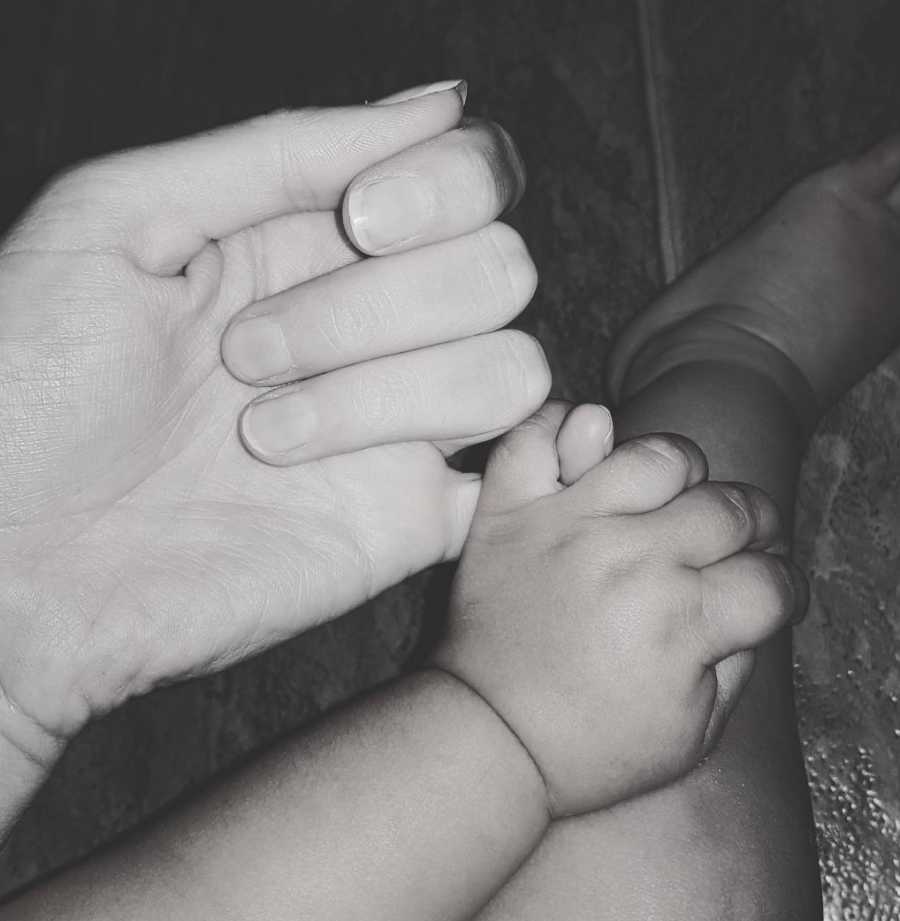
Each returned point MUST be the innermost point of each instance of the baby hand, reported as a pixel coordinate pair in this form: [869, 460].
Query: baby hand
[611, 622]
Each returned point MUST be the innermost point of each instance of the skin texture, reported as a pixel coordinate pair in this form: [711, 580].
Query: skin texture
[418, 802]
[814, 283]
[594, 617]
[732, 840]
[141, 543]
[727, 815]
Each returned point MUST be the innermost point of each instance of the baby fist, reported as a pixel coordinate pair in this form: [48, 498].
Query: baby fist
[611, 622]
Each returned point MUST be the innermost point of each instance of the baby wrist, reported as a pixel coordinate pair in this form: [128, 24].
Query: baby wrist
[719, 332]
[537, 781]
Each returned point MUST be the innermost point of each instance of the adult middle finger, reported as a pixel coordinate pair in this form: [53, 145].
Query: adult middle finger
[379, 307]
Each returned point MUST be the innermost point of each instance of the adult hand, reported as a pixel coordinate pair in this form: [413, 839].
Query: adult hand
[141, 542]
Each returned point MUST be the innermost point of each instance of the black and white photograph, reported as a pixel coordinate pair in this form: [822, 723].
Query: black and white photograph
[450, 460]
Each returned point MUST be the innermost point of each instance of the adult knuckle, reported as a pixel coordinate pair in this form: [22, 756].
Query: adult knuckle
[72, 199]
[70, 179]
[290, 166]
[90, 174]
[99, 204]
[291, 131]
[359, 320]
[385, 401]
[113, 176]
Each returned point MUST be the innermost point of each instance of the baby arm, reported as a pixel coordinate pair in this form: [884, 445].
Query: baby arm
[412, 804]
[564, 683]
[611, 622]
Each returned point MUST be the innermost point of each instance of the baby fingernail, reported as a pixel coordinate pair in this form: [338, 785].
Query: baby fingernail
[255, 349]
[279, 424]
[610, 434]
[387, 212]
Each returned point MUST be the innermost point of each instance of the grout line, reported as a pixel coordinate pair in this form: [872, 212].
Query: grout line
[657, 78]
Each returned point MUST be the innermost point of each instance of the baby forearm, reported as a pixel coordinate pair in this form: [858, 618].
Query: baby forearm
[416, 803]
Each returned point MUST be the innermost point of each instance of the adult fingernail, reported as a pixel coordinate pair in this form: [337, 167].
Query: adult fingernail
[461, 87]
[255, 349]
[387, 212]
[279, 424]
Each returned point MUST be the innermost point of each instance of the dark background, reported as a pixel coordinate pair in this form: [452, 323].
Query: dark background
[746, 96]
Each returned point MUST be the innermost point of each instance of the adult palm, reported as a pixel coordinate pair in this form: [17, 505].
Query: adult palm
[141, 542]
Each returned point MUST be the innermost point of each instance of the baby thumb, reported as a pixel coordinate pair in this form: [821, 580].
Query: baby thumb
[524, 464]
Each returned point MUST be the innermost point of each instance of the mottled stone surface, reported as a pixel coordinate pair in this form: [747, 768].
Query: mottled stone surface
[757, 95]
[102, 74]
[848, 666]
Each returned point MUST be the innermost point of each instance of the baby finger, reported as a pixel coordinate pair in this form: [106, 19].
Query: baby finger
[747, 599]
